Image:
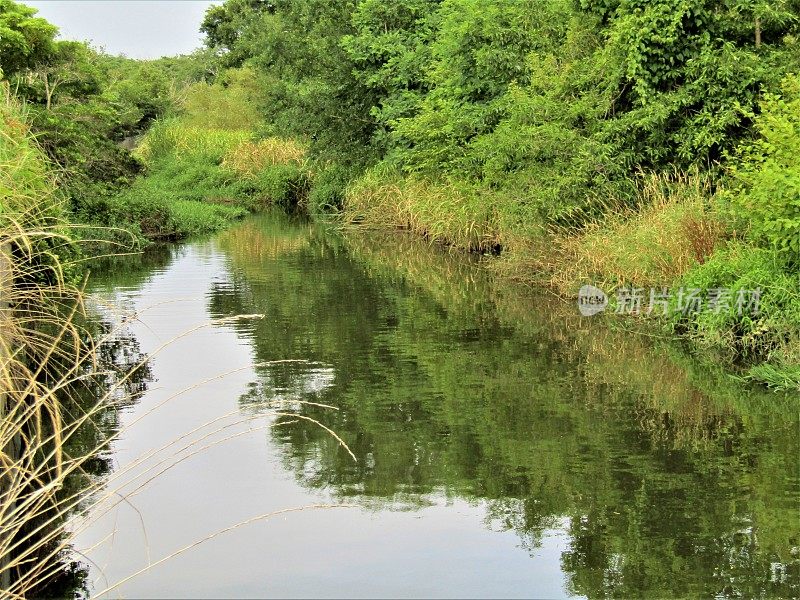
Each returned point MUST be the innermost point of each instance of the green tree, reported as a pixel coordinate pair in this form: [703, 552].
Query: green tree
[25, 40]
[390, 52]
[224, 25]
[766, 173]
[69, 70]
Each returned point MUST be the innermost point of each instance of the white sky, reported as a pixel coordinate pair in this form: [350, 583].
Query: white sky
[136, 28]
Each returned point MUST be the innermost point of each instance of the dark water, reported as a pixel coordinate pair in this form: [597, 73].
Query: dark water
[504, 446]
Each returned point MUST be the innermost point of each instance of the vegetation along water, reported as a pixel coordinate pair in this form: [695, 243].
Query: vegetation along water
[420, 298]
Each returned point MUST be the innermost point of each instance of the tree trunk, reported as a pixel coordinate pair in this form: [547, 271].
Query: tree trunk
[758, 32]
[47, 91]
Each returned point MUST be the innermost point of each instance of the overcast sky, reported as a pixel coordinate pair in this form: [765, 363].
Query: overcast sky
[136, 28]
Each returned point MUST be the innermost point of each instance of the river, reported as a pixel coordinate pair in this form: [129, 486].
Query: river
[498, 444]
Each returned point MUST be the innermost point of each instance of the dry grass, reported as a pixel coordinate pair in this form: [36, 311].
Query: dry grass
[46, 360]
[671, 229]
[249, 158]
[441, 212]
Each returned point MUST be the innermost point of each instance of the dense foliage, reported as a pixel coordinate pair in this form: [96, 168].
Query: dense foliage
[616, 141]
[82, 104]
[620, 141]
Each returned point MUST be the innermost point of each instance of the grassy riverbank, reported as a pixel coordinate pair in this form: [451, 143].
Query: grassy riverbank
[566, 140]
[682, 230]
[203, 169]
[620, 145]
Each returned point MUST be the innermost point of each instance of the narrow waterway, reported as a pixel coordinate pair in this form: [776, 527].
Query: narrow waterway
[502, 445]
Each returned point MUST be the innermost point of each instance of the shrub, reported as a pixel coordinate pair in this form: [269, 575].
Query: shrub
[329, 188]
[766, 196]
[773, 333]
[283, 185]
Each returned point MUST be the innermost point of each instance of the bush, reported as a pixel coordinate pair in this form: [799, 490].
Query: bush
[773, 333]
[766, 199]
[329, 188]
[282, 185]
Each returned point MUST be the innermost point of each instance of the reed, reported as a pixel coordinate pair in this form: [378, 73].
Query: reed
[671, 228]
[443, 212]
[249, 158]
[177, 139]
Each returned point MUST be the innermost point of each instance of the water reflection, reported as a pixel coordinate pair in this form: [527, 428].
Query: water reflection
[668, 478]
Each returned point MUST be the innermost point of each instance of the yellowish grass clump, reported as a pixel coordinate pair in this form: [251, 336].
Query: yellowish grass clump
[248, 158]
[673, 231]
[46, 361]
[176, 139]
[442, 212]
[654, 243]
[37, 332]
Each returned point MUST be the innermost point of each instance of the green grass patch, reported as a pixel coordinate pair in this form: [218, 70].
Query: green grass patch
[454, 213]
[200, 179]
[193, 218]
[778, 377]
[770, 335]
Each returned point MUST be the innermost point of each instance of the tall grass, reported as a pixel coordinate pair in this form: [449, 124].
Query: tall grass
[176, 139]
[200, 179]
[41, 348]
[444, 212]
[248, 158]
[671, 228]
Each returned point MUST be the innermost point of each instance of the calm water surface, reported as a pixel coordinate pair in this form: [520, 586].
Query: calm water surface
[503, 446]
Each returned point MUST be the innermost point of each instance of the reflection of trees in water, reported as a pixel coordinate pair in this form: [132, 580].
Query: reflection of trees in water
[448, 384]
[133, 270]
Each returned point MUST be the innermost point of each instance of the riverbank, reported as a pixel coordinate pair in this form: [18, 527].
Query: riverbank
[679, 236]
[685, 231]
[204, 168]
[47, 359]
[651, 146]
